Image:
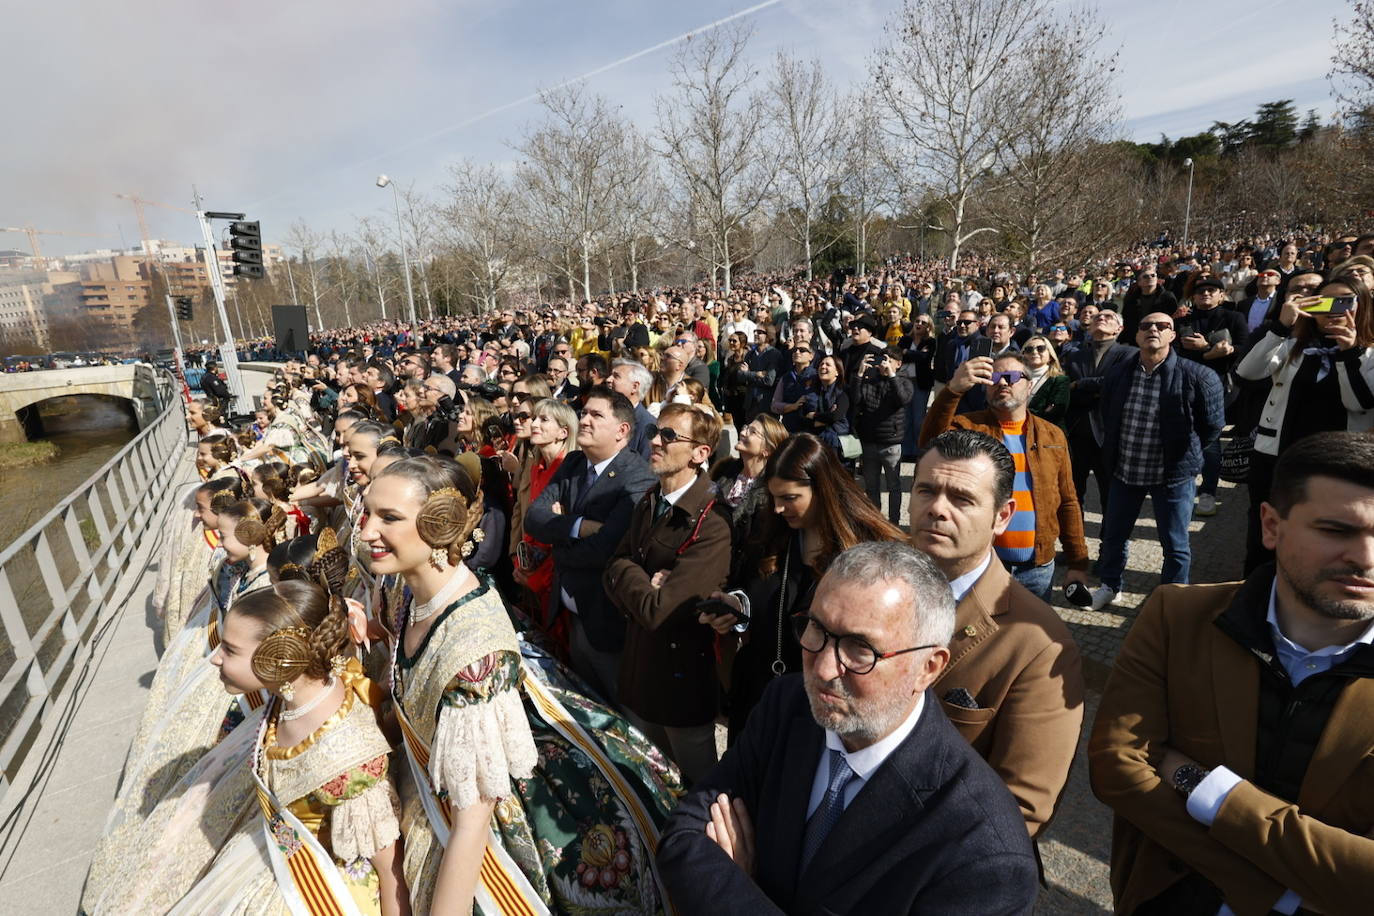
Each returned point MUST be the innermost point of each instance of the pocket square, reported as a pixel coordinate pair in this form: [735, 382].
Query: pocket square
[960, 697]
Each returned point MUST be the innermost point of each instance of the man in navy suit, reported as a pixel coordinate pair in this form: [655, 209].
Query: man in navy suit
[849, 791]
[583, 513]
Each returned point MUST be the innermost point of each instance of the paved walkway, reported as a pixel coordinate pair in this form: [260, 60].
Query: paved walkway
[47, 833]
[45, 845]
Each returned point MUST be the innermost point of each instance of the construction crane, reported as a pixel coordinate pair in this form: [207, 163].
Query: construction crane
[33, 235]
[139, 203]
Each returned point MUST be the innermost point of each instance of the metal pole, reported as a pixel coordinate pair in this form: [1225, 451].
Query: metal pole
[405, 255]
[1188, 207]
[227, 352]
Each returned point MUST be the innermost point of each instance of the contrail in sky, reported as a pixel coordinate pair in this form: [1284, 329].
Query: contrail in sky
[533, 96]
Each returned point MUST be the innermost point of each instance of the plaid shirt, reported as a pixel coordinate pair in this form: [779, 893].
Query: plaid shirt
[1141, 461]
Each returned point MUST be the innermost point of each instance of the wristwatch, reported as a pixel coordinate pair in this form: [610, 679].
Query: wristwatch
[1188, 777]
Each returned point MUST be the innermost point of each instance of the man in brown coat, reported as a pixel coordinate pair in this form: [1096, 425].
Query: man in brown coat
[675, 554]
[1014, 683]
[1234, 740]
[1041, 453]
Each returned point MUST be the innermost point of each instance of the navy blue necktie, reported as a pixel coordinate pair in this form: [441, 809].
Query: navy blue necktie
[830, 808]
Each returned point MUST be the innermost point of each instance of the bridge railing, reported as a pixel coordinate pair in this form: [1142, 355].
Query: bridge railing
[57, 578]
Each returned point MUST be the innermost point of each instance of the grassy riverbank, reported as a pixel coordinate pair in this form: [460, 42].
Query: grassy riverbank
[23, 454]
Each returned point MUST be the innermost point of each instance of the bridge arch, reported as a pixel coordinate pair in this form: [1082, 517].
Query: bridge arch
[22, 392]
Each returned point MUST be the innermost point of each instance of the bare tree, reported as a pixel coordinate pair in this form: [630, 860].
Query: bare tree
[370, 241]
[569, 178]
[805, 117]
[867, 181]
[1352, 63]
[301, 238]
[948, 79]
[711, 134]
[639, 206]
[478, 219]
[1052, 157]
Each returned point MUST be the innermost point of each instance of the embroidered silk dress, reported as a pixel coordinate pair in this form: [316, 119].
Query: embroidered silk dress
[580, 795]
[336, 785]
[186, 715]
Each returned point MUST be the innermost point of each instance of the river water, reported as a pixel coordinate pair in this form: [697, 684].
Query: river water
[88, 432]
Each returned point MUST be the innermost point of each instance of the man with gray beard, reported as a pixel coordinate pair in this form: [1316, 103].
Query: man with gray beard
[1234, 737]
[849, 791]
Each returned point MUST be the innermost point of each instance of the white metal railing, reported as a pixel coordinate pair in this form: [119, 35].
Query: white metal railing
[56, 577]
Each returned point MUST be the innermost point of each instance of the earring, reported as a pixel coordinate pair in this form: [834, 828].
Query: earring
[438, 557]
[287, 692]
[337, 665]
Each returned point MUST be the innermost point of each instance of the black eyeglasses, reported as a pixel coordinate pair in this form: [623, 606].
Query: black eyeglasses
[854, 654]
[522, 415]
[1156, 326]
[967, 321]
[670, 435]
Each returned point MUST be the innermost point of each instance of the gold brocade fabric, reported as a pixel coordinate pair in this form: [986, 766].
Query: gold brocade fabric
[171, 868]
[182, 720]
[469, 633]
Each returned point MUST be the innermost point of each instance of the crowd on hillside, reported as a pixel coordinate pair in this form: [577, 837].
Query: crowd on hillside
[484, 589]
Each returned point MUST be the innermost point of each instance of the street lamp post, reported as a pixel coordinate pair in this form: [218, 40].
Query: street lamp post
[382, 182]
[1188, 207]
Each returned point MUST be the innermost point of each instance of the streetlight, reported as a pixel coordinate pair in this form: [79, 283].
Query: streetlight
[383, 181]
[1188, 208]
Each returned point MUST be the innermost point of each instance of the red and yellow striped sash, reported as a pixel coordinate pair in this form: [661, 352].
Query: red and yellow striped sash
[305, 871]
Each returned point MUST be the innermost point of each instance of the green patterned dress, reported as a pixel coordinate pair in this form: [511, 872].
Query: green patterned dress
[580, 794]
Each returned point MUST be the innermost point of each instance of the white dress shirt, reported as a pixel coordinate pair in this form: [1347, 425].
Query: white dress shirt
[961, 584]
[863, 762]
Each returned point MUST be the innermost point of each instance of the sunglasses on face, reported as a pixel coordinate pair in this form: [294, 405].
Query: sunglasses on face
[522, 415]
[1156, 326]
[964, 322]
[668, 435]
[1038, 348]
[1059, 327]
[1011, 377]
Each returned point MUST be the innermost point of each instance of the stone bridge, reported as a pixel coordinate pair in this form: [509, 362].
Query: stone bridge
[22, 392]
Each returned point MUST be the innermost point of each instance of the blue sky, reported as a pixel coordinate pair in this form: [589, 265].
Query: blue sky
[290, 110]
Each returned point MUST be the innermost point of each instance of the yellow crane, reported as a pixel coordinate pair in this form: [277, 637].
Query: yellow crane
[33, 235]
[139, 203]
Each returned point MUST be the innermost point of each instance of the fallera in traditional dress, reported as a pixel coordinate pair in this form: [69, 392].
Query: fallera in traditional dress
[581, 795]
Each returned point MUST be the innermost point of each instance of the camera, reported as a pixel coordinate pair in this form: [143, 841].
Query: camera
[498, 427]
[447, 410]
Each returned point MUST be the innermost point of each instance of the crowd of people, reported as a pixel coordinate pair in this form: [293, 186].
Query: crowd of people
[489, 595]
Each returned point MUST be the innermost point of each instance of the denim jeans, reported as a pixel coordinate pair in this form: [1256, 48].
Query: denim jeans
[1036, 579]
[915, 417]
[1173, 503]
[1211, 468]
[884, 460]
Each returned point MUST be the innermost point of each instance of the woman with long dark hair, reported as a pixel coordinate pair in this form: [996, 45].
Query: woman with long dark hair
[1321, 364]
[818, 512]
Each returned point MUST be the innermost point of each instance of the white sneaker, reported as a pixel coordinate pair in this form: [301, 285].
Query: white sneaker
[1206, 506]
[1103, 596]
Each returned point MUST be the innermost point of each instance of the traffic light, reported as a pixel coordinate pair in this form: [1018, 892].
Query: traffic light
[183, 304]
[245, 240]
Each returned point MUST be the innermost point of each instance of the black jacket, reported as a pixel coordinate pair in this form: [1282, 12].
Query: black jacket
[578, 562]
[933, 830]
[879, 408]
[1085, 391]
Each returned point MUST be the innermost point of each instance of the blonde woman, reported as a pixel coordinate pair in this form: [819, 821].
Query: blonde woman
[1049, 385]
